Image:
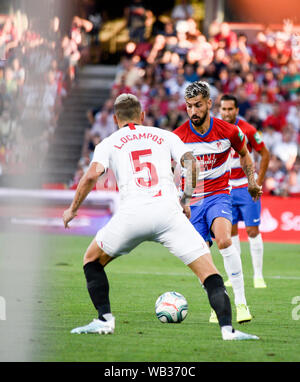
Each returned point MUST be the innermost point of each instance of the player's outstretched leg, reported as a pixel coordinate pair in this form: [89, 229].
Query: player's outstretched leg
[98, 288]
[233, 266]
[220, 303]
[218, 297]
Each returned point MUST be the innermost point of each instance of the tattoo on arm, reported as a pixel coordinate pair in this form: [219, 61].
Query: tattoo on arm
[248, 169]
[190, 164]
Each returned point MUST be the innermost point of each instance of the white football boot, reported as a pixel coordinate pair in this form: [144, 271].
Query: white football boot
[96, 326]
[236, 335]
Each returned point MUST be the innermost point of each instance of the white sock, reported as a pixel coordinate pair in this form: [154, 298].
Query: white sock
[107, 316]
[227, 328]
[233, 268]
[257, 252]
[236, 242]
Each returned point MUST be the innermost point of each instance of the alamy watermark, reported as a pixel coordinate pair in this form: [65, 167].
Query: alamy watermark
[296, 310]
[2, 309]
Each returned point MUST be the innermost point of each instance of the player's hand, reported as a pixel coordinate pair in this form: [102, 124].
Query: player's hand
[186, 210]
[255, 191]
[68, 215]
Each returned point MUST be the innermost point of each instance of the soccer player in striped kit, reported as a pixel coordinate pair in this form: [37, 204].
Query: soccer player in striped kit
[211, 139]
[243, 207]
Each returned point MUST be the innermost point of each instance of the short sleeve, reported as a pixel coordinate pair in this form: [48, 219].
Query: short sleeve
[102, 154]
[255, 140]
[237, 139]
[177, 147]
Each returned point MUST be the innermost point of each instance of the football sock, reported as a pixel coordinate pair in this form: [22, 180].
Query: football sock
[233, 268]
[236, 243]
[218, 299]
[227, 328]
[98, 287]
[257, 251]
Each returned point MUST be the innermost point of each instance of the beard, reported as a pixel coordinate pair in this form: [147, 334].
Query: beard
[198, 121]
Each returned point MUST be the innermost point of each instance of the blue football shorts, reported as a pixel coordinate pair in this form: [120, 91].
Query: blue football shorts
[205, 211]
[244, 208]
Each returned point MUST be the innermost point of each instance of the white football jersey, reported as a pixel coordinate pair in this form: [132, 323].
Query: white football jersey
[140, 157]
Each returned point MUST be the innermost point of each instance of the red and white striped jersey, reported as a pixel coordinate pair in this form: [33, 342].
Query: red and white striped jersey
[212, 149]
[238, 178]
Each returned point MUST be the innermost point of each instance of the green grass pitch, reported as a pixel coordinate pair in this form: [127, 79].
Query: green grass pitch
[136, 280]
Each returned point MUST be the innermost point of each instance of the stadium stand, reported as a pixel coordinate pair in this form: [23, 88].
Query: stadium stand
[43, 96]
[91, 90]
[36, 74]
[261, 68]
[259, 64]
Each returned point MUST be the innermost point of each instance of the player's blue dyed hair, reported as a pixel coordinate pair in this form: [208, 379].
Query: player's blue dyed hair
[196, 88]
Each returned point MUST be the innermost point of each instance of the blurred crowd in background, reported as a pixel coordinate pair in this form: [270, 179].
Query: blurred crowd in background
[262, 72]
[264, 75]
[37, 71]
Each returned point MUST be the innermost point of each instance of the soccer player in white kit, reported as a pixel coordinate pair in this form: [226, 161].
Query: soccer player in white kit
[140, 157]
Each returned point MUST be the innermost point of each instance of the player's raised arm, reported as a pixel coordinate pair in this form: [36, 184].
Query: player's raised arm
[86, 184]
[247, 165]
[189, 162]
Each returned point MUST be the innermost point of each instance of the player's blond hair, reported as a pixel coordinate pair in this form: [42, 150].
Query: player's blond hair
[127, 107]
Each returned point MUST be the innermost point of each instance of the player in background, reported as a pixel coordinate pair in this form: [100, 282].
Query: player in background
[243, 207]
[140, 157]
[211, 140]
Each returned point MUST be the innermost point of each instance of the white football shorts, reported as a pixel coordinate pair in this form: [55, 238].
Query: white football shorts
[162, 222]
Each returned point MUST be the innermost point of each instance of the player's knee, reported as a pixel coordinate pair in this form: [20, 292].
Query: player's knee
[252, 231]
[224, 242]
[87, 258]
[91, 255]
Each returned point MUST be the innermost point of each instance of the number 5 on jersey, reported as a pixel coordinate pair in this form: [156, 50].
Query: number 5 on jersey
[138, 166]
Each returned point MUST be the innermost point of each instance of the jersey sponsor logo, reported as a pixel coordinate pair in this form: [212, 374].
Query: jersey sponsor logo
[207, 161]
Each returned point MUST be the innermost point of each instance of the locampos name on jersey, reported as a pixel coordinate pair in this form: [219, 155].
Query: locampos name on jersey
[132, 137]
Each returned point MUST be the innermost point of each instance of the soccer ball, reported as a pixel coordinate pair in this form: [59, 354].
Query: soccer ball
[171, 307]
